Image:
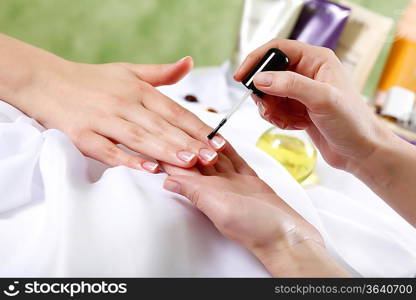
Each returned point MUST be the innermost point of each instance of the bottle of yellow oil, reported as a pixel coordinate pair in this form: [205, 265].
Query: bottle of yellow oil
[296, 155]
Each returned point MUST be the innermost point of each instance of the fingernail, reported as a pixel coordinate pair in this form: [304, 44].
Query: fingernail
[185, 156]
[172, 186]
[207, 154]
[183, 58]
[262, 108]
[217, 141]
[236, 71]
[264, 79]
[150, 166]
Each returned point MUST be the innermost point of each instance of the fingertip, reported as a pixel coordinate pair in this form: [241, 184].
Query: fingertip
[218, 143]
[151, 167]
[186, 159]
[237, 76]
[207, 157]
[172, 185]
[187, 61]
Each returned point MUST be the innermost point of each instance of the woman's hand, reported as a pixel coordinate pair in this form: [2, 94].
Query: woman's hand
[317, 95]
[99, 106]
[246, 210]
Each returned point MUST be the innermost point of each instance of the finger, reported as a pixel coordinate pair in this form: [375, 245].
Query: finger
[283, 112]
[316, 96]
[101, 149]
[183, 119]
[207, 171]
[200, 190]
[157, 126]
[224, 165]
[174, 170]
[239, 164]
[162, 74]
[139, 140]
[186, 186]
[305, 59]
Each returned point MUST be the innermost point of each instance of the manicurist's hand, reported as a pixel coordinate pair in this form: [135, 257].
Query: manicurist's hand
[317, 95]
[246, 210]
[99, 106]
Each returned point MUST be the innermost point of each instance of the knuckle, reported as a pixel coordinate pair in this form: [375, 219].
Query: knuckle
[159, 126]
[275, 41]
[288, 82]
[79, 134]
[333, 95]
[134, 134]
[194, 197]
[178, 111]
[116, 100]
[326, 51]
[111, 154]
[328, 100]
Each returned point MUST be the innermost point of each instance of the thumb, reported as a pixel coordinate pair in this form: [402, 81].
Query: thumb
[316, 96]
[162, 74]
[186, 186]
[192, 187]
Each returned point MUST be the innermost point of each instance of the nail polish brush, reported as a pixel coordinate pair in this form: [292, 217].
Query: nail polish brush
[273, 60]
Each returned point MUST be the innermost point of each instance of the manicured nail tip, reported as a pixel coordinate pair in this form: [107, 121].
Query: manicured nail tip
[150, 166]
[172, 186]
[186, 156]
[207, 154]
[218, 142]
[183, 58]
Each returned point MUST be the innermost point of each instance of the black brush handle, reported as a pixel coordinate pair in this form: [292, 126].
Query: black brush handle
[273, 60]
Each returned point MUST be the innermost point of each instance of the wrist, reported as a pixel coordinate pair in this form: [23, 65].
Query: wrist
[306, 258]
[22, 67]
[381, 166]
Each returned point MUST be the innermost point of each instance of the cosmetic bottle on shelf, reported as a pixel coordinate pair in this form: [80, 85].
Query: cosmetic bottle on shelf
[400, 69]
[362, 41]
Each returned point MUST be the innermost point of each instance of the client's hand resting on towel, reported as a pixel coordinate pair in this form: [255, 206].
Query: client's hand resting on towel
[316, 94]
[99, 106]
[246, 210]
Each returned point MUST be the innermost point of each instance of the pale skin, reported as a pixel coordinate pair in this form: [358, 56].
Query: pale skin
[315, 94]
[100, 106]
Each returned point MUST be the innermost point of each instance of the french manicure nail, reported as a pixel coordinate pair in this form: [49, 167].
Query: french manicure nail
[264, 79]
[217, 141]
[172, 186]
[207, 154]
[185, 156]
[150, 166]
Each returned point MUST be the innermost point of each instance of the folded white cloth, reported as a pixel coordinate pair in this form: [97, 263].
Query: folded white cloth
[62, 214]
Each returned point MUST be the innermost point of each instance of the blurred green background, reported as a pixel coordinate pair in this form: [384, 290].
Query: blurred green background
[145, 31]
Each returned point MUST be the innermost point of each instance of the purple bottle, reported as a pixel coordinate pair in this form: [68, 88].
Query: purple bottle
[320, 23]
